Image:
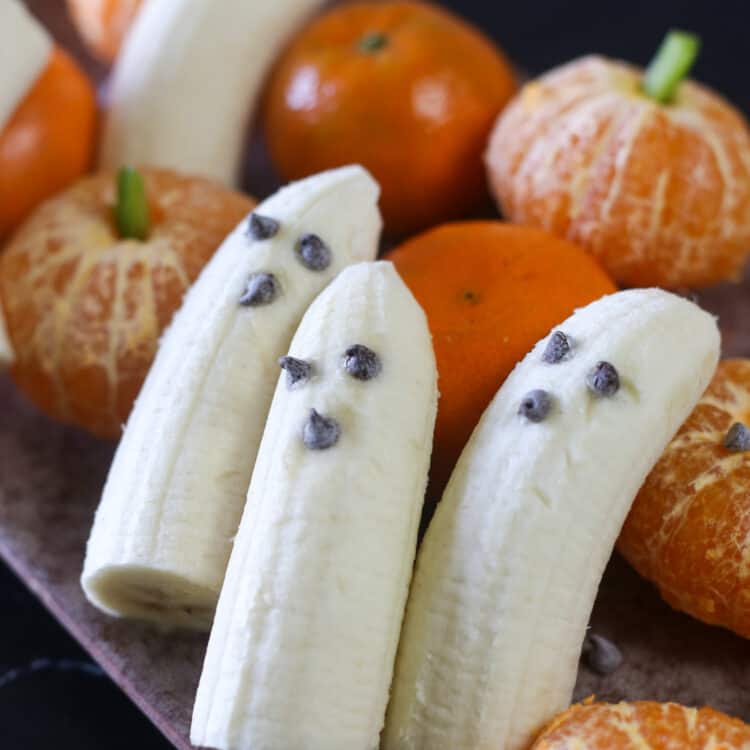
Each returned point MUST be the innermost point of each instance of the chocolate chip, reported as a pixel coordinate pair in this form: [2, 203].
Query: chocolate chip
[603, 380]
[600, 654]
[361, 362]
[313, 253]
[262, 227]
[559, 347]
[261, 289]
[535, 405]
[320, 432]
[738, 438]
[297, 370]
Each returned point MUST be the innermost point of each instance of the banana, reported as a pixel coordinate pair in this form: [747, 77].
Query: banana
[507, 574]
[188, 79]
[26, 49]
[301, 653]
[175, 492]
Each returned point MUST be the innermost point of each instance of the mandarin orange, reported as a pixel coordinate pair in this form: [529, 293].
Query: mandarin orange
[659, 193]
[642, 725]
[103, 24]
[85, 308]
[490, 291]
[49, 140]
[404, 88]
[689, 528]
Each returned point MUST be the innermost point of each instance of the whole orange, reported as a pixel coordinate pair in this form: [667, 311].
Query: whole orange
[643, 725]
[85, 308]
[103, 24]
[490, 291]
[659, 193]
[689, 528]
[49, 140]
[405, 89]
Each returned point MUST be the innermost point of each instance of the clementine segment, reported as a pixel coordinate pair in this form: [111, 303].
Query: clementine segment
[659, 193]
[689, 528]
[49, 140]
[643, 725]
[103, 24]
[403, 88]
[85, 308]
[490, 291]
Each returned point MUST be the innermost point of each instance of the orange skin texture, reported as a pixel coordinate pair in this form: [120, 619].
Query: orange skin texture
[660, 194]
[689, 528]
[416, 113]
[85, 308]
[643, 725]
[490, 291]
[103, 24]
[49, 140]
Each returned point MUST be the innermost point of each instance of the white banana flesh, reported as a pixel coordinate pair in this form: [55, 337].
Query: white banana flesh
[301, 653]
[26, 48]
[188, 79]
[175, 492]
[509, 569]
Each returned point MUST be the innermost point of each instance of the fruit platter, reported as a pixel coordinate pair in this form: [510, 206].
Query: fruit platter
[437, 437]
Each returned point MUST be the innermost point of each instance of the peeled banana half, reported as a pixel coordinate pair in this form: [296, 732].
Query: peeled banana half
[176, 488]
[508, 572]
[302, 649]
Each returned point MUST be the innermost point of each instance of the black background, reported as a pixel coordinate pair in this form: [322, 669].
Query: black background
[51, 696]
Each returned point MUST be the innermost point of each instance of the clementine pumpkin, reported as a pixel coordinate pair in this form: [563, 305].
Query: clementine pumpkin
[85, 306]
[658, 191]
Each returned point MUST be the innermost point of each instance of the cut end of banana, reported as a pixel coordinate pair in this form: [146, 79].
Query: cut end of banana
[146, 594]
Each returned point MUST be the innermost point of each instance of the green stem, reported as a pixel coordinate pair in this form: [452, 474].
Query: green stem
[670, 65]
[131, 209]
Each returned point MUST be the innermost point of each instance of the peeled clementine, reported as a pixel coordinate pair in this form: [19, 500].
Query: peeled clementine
[490, 291]
[689, 528]
[658, 193]
[404, 88]
[643, 725]
[85, 308]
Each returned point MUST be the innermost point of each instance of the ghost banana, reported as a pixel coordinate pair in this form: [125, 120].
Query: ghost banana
[508, 571]
[188, 79]
[175, 492]
[301, 653]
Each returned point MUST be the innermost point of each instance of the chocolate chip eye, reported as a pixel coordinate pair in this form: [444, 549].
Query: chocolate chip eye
[261, 289]
[600, 654]
[361, 362]
[535, 405]
[313, 253]
[320, 432]
[297, 370]
[738, 438]
[559, 347]
[262, 227]
[603, 380]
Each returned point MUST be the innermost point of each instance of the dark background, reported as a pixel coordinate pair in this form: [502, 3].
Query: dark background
[51, 695]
